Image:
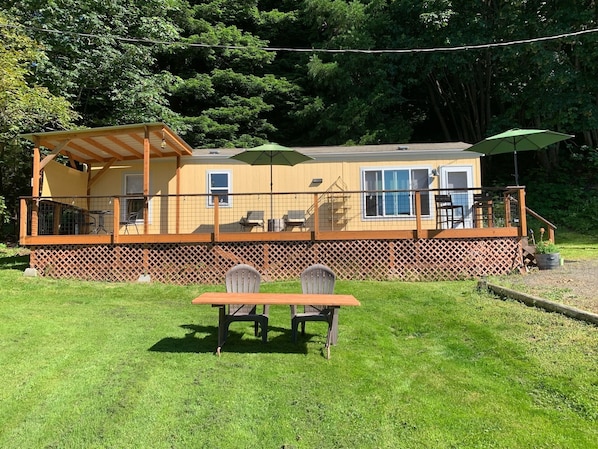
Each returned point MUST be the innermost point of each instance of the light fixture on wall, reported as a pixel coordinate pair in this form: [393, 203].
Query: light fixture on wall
[434, 172]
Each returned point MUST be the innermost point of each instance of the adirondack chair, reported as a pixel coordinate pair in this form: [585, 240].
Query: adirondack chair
[245, 279]
[316, 279]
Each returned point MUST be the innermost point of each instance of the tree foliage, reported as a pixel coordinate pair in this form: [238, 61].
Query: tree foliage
[203, 69]
[24, 105]
[108, 81]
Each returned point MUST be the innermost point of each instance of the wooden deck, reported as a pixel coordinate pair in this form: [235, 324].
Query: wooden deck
[410, 249]
[186, 219]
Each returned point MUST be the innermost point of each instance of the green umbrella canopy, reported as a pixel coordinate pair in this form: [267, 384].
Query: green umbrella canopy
[271, 154]
[518, 140]
[515, 140]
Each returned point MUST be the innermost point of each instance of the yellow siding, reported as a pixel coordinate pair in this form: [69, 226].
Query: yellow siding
[63, 181]
[256, 179]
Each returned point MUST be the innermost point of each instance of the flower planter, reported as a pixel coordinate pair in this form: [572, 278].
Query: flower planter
[548, 261]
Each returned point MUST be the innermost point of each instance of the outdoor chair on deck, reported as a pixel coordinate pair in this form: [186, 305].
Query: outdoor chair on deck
[294, 218]
[482, 210]
[131, 220]
[316, 279]
[88, 224]
[448, 215]
[254, 218]
[245, 279]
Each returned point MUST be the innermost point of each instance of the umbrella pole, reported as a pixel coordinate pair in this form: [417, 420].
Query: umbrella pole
[516, 168]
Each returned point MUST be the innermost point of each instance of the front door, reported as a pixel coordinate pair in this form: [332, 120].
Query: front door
[453, 178]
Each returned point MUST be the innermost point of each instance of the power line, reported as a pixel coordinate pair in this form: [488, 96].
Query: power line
[314, 50]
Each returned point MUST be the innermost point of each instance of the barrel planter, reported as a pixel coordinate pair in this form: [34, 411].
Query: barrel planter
[548, 261]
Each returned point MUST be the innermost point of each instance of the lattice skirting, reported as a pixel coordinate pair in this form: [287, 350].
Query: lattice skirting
[408, 260]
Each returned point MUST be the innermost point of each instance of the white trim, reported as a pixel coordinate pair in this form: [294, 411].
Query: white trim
[229, 174]
[410, 169]
[460, 196]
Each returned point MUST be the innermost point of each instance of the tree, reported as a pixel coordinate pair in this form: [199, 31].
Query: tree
[23, 106]
[229, 96]
[108, 80]
[355, 97]
[116, 62]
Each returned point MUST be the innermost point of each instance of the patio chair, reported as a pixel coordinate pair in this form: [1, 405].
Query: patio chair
[316, 279]
[88, 224]
[131, 220]
[294, 218]
[482, 210]
[245, 279]
[448, 215]
[254, 218]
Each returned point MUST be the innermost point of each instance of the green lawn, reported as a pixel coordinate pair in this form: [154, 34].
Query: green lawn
[418, 365]
[575, 246]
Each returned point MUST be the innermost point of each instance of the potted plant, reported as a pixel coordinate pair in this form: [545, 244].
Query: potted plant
[547, 253]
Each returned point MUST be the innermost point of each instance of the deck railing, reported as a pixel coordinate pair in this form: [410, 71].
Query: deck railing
[330, 215]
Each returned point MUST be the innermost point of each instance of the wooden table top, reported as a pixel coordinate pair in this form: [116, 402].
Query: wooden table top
[300, 299]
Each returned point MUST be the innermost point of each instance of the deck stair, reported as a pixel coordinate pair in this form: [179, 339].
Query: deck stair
[529, 248]
[529, 253]
[335, 202]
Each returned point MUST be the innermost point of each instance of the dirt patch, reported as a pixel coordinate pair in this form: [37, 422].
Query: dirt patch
[575, 284]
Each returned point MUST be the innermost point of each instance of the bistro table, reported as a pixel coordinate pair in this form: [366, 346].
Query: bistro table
[222, 299]
[100, 225]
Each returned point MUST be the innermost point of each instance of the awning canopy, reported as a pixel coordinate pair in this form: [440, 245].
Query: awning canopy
[112, 143]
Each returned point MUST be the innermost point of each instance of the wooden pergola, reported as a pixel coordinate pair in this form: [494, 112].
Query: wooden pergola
[104, 147]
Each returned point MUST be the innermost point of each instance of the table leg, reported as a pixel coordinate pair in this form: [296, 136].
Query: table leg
[221, 327]
[334, 330]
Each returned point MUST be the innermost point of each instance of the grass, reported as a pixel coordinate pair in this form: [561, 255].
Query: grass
[418, 365]
[576, 246]
[132, 366]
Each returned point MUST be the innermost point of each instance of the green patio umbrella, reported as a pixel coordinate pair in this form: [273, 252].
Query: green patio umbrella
[271, 154]
[515, 140]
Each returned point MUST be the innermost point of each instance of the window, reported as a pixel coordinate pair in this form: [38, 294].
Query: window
[389, 192]
[133, 186]
[219, 184]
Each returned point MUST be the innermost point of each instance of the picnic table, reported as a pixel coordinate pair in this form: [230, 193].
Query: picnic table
[222, 299]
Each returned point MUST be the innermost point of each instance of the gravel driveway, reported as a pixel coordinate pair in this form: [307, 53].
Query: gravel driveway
[574, 284]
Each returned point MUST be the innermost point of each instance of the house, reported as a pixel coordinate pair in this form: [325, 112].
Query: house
[139, 195]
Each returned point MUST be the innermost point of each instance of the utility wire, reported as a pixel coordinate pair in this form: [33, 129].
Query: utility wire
[314, 50]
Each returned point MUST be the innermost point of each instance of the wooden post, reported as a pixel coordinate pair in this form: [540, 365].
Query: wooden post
[146, 167]
[418, 214]
[178, 196]
[35, 189]
[23, 220]
[522, 214]
[116, 219]
[316, 234]
[145, 253]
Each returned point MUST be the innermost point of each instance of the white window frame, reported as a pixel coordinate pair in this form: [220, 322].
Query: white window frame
[210, 189]
[124, 207]
[411, 215]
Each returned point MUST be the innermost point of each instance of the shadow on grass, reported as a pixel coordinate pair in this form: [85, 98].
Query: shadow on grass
[204, 339]
[16, 262]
